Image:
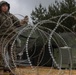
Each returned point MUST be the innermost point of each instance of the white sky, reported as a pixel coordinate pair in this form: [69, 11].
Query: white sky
[25, 7]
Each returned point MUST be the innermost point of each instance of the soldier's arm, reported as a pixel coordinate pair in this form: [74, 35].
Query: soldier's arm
[16, 21]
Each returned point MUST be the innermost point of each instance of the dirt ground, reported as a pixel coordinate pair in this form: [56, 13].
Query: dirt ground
[39, 71]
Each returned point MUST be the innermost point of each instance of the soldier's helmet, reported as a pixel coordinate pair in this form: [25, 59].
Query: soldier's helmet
[4, 2]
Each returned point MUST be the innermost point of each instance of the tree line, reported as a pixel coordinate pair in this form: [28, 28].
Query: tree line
[58, 8]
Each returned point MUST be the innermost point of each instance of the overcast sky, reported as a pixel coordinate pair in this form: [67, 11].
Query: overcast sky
[25, 7]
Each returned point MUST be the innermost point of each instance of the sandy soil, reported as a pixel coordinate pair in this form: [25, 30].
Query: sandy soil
[39, 71]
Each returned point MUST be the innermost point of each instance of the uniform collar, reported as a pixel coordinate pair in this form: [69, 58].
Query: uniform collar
[5, 13]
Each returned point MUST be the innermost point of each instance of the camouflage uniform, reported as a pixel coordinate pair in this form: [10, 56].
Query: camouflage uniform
[7, 20]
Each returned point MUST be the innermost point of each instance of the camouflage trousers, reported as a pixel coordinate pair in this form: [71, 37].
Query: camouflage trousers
[1, 58]
[8, 53]
[8, 57]
[2, 63]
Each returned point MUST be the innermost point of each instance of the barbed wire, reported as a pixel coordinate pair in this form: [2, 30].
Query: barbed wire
[44, 35]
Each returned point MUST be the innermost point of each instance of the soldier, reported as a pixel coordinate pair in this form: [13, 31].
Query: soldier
[7, 22]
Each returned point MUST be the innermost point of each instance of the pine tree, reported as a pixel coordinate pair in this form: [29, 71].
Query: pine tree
[38, 14]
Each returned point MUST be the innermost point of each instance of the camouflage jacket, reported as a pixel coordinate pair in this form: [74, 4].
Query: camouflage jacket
[8, 22]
